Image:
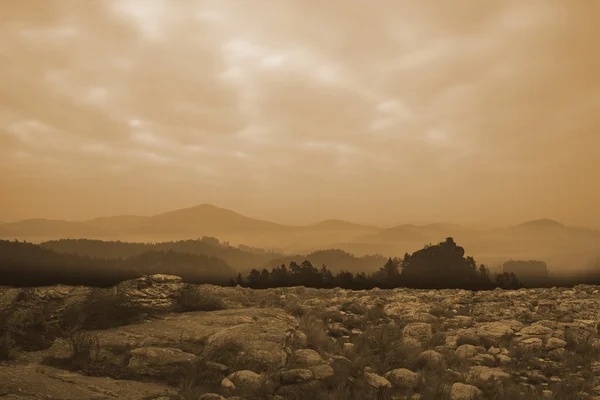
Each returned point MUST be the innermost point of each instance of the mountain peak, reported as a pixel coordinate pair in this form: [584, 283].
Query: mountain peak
[541, 223]
[339, 224]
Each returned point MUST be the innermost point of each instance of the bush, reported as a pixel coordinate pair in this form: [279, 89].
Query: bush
[194, 299]
[8, 347]
[316, 334]
[85, 348]
[381, 347]
[199, 380]
[101, 310]
[30, 329]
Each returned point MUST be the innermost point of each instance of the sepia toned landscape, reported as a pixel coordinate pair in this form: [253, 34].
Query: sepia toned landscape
[299, 200]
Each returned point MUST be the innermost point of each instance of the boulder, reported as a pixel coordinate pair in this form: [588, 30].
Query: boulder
[298, 375]
[151, 292]
[306, 357]
[486, 374]
[467, 351]
[322, 371]
[43, 382]
[159, 362]
[376, 381]
[402, 378]
[460, 391]
[245, 381]
[420, 331]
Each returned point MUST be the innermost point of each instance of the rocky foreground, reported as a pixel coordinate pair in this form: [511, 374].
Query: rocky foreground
[158, 338]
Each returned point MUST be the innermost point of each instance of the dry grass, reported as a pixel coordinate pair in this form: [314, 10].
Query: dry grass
[316, 335]
[101, 310]
[30, 329]
[8, 347]
[194, 299]
[381, 348]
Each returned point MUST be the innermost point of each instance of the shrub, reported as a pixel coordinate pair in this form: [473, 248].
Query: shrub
[30, 329]
[192, 298]
[199, 380]
[8, 347]
[85, 348]
[381, 347]
[101, 310]
[316, 334]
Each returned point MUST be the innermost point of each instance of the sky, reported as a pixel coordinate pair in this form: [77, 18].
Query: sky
[386, 112]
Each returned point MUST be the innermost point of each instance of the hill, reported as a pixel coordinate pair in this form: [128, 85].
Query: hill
[239, 259]
[31, 229]
[193, 222]
[26, 264]
[335, 259]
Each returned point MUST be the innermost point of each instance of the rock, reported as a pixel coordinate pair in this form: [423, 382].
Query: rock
[43, 382]
[256, 336]
[420, 331]
[306, 357]
[484, 359]
[151, 292]
[460, 391]
[533, 343]
[580, 331]
[451, 341]
[402, 378]
[486, 374]
[537, 377]
[159, 362]
[337, 330]
[220, 368]
[341, 365]
[535, 331]
[432, 358]
[376, 381]
[211, 396]
[494, 351]
[411, 343]
[467, 351]
[555, 343]
[306, 390]
[557, 354]
[297, 375]
[504, 359]
[323, 371]
[495, 332]
[227, 385]
[260, 343]
[246, 381]
[299, 339]
[348, 347]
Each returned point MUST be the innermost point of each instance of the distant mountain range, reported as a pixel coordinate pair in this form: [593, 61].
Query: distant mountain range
[544, 239]
[193, 222]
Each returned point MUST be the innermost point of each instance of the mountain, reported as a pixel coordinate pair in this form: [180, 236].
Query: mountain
[190, 223]
[208, 219]
[32, 229]
[193, 222]
[559, 245]
[543, 223]
[337, 224]
[119, 223]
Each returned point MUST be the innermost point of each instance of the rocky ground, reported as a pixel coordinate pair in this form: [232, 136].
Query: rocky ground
[158, 338]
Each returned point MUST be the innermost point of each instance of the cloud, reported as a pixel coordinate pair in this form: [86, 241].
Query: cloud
[401, 100]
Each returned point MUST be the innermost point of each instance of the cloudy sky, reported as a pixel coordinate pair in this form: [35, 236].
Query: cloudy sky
[384, 112]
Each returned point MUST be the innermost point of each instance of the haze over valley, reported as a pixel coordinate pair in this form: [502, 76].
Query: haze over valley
[565, 249]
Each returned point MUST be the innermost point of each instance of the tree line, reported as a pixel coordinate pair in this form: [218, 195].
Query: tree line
[438, 266]
[27, 264]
